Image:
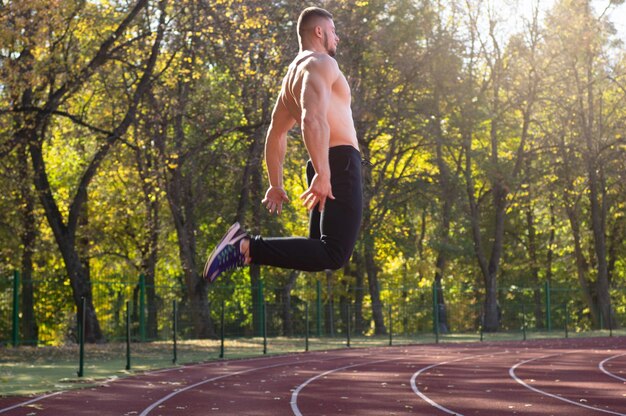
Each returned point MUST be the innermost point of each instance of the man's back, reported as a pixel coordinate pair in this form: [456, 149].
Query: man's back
[321, 72]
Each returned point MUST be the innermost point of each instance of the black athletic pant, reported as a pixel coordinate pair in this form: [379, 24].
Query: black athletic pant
[332, 233]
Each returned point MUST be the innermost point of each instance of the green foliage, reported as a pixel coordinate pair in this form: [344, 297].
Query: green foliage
[431, 90]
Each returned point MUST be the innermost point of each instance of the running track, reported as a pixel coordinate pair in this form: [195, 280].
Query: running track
[549, 377]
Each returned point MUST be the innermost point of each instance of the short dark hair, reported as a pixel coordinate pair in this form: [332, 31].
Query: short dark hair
[311, 13]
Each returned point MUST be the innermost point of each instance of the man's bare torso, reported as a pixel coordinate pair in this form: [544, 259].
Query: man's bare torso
[339, 114]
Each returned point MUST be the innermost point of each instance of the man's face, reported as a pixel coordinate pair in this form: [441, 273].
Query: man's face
[330, 37]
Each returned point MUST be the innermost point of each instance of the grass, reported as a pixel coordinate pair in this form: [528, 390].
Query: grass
[32, 370]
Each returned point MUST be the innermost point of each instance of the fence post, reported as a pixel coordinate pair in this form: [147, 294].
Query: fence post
[566, 321]
[548, 306]
[222, 330]
[610, 320]
[319, 309]
[306, 327]
[264, 321]
[142, 307]
[481, 323]
[524, 320]
[390, 326]
[174, 330]
[127, 335]
[599, 309]
[258, 331]
[81, 338]
[16, 308]
[435, 312]
[348, 326]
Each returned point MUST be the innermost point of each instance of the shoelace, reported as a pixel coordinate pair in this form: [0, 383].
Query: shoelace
[230, 258]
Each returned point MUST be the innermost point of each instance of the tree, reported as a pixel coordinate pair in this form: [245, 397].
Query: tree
[444, 69]
[54, 92]
[587, 140]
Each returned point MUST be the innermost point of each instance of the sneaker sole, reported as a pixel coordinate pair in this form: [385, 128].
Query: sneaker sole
[233, 241]
[220, 246]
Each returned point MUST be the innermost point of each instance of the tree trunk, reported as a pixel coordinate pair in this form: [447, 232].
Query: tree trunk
[532, 251]
[251, 188]
[582, 266]
[329, 318]
[149, 268]
[28, 237]
[180, 198]
[372, 278]
[572, 211]
[489, 268]
[499, 191]
[596, 186]
[598, 221]
[550, 259]
[598, 226]
[489, 319]
[492, 320]
[286, 304]
[65, 234]
[197, 287]
[446, 197]
[359, 326]
[65, 237]
[368, 250]
[147, 167]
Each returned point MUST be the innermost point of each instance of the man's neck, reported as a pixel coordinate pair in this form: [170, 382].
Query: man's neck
[312, 48]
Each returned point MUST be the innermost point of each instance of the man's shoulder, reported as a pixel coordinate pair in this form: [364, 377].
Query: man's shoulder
[321, 63]
[312, 59]
[322, 60]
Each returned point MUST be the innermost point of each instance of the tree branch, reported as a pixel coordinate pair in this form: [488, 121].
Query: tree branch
[120, 130]
[98, 60]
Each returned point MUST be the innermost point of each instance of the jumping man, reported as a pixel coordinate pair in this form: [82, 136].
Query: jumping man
[316, 96]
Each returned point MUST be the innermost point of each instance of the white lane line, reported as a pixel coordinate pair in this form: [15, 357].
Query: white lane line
[169, 396]
[15, 406]
[193, 386]
[607, 372]
[294, 395]
[147, 373]
[102, 382]
[554, 396]
[431, 401]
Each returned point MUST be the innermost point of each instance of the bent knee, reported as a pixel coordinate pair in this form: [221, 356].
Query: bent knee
[338, 260]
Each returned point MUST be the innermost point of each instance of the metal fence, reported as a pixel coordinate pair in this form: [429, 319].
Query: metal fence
[309, 310]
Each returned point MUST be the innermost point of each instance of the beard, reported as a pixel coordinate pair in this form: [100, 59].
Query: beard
[331, 52]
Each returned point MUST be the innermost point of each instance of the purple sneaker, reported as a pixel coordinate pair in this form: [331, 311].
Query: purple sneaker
[226, 256]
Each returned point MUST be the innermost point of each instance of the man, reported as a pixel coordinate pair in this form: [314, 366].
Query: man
[316, 96]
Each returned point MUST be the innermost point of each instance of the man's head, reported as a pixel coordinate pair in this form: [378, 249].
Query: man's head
[315, 26]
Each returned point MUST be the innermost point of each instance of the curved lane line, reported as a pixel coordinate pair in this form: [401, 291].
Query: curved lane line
[15, 406]
[554, 396]
[193, 386]
[46, 396]
[294, 395]
[607, 372]
[147, 373]
[431, 401]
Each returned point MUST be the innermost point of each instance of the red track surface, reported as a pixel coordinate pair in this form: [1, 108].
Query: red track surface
[551, 377]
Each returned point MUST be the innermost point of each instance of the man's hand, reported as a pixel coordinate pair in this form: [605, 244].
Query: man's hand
[319, 190]
[274, 198]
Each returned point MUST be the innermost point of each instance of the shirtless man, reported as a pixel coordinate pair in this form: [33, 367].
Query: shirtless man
[316, 96]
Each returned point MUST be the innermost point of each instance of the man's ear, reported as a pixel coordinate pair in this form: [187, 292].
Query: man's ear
[319, 31]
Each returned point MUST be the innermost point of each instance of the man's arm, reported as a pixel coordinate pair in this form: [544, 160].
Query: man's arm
[275, 149]
[321, 73]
